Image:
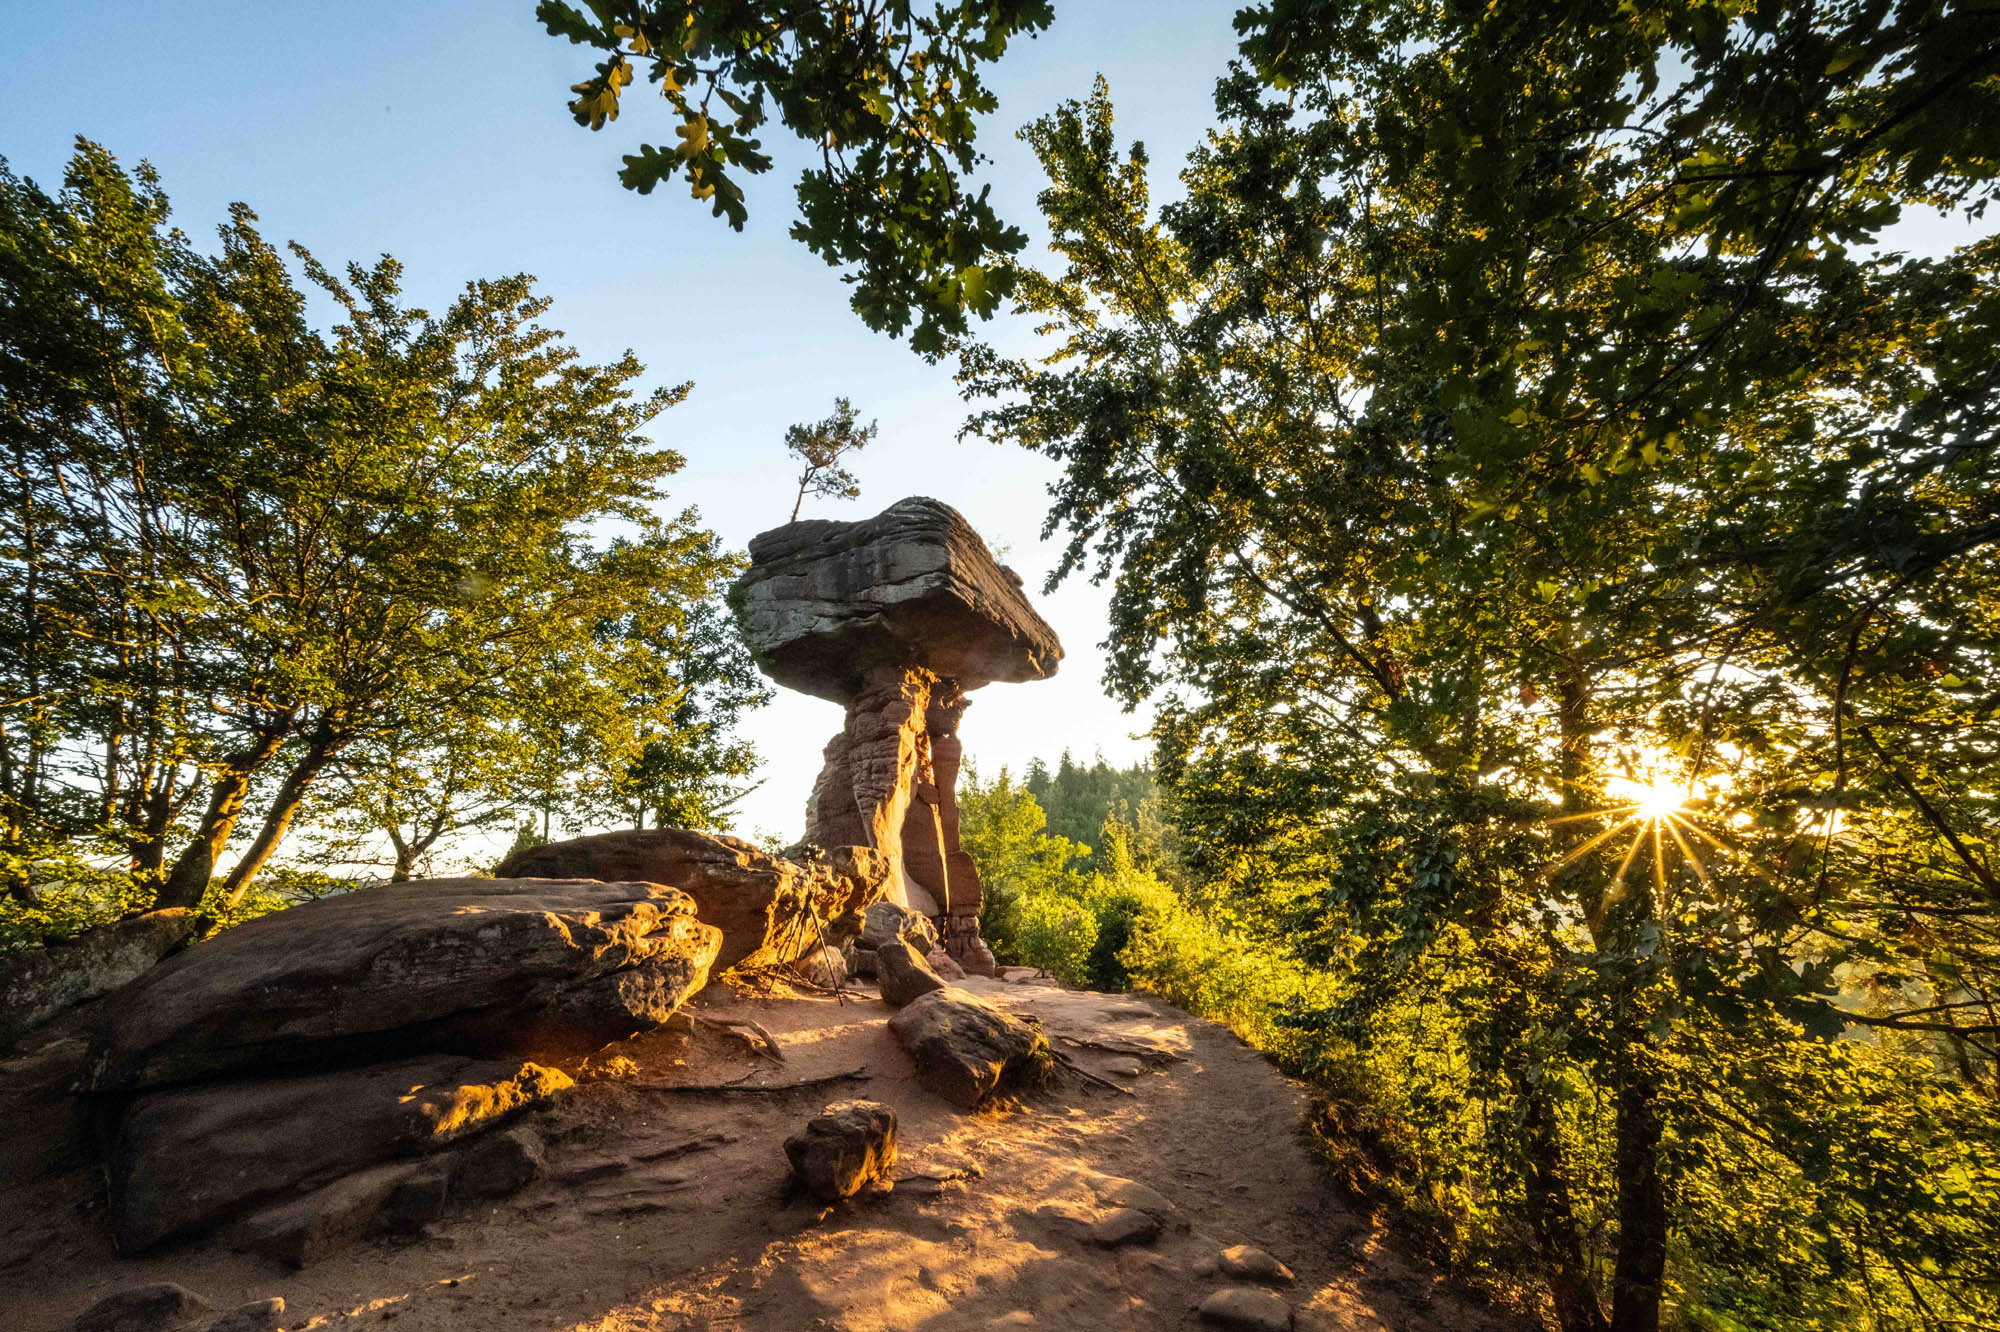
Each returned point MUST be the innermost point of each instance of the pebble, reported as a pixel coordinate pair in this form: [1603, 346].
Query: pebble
[1124, 1225]
[1254, 1264]
[1241, 1309]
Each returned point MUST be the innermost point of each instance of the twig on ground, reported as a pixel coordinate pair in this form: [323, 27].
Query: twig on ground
[754, 1089]
[744, 1030]
[1088, 1076]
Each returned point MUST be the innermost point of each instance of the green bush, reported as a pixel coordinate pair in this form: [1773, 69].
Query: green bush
[1056, 934]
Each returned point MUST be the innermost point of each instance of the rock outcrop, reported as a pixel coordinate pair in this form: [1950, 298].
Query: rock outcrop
[763, 904]
[896, 618]
[966, 1049]
[37, 984]
[188, 1158]
[318, 1063]
[529, 966]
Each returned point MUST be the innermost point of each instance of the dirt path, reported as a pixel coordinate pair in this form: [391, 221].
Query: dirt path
[670, 1211]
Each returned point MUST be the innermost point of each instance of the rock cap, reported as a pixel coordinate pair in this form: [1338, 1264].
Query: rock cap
[824, 603]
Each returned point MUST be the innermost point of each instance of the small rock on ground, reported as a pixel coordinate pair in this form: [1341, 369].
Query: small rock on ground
[162, 1307]
[256, 1316]
[1131, 1193]
[1241, 1309]
[1254, 1264]
[844, 1148]
[1124, 1225]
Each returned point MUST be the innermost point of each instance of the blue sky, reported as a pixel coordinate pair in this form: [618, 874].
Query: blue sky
[437, 133]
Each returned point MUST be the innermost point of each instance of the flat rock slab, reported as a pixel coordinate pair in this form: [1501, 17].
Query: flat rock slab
[966, 1049]
[189, 1158]
[530, 966]
[1242, 1309]
[823, 603]
[763, 904]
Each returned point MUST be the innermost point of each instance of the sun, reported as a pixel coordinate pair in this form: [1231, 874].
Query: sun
[1648, 800]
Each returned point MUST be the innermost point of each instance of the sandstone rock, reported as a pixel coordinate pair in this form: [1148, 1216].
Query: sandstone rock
[758, 901]
[825, 967]
[964, 1048]
[1124, 1225]
[256, 1316]
[1114, 1192]
[36, 984]
[188, 1158]
[499, 1164]
[897, 617]
[844, 1148]
[417, 1200]
[942, 963]
[823, 602]
[1241, 1309]
[162, 1307]
[305, 1230]
[523, 965]
[1249, 1263]
[903, 975]
[884, 921]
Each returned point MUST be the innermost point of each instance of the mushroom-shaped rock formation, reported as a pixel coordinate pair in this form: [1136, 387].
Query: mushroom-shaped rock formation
[895, 617]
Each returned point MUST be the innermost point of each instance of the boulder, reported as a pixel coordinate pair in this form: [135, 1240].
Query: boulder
[884, 921]
[824, 967]
[162, 1307]
[965, 1049]
[903, 975]
[37, 984]
[188, 1158]
[759, 902]
[824, 602]
[532, 966]
[844, 1148]
[1241, 1309]
[1250, 1263]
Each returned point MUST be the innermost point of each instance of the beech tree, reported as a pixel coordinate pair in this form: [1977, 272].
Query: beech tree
[242, 552]
[1559, 537]
[885, 91]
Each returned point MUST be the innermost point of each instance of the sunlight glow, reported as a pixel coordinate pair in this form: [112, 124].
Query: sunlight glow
[1652, 800]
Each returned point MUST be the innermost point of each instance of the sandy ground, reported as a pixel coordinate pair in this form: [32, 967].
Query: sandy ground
[671, 1211]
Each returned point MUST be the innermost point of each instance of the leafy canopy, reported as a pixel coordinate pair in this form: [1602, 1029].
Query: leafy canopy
[887, 91]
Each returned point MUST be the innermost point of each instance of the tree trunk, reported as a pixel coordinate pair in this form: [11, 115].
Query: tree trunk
[1638, 1274]
[187, 883]
[325, 743]
[1640, 1265]
[406, 857]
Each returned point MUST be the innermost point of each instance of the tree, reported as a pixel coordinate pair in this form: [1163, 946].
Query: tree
[243, 554]
[886, 94]
[821, 446]
[1516, 398]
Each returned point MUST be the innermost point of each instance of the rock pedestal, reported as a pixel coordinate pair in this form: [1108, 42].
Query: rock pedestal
[897, 618]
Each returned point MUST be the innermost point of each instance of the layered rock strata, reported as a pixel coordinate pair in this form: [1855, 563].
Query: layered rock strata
[896, 618]
[771, 910]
